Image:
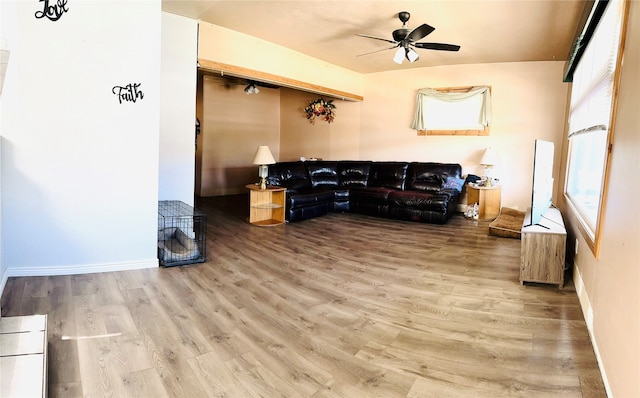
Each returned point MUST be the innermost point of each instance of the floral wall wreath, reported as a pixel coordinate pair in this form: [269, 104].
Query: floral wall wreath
[320, 108]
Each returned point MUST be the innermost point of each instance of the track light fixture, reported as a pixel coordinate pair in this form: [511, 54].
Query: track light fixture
[251, 89]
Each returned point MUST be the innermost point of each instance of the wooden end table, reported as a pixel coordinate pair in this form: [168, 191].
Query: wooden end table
[266, 207]
[487, 198]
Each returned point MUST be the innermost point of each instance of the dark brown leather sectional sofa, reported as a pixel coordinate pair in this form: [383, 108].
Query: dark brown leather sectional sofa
[415, 191]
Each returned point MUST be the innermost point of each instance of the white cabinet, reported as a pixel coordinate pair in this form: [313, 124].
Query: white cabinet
[23, 356]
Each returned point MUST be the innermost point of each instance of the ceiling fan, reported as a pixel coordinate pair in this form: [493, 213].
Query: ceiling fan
[405, 40]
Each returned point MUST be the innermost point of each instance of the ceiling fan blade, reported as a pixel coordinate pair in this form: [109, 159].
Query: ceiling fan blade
[377, 38]
[377, 51]
[420, 32]
[437, 46]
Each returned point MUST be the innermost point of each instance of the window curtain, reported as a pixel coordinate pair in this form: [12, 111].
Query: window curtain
[473, 108]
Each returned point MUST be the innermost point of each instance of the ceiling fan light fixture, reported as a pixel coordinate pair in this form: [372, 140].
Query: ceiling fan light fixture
[405, 40]
[399, 56]
[412, 55]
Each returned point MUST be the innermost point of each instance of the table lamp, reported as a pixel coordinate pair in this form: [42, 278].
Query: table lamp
[263, 157]
[489, 159]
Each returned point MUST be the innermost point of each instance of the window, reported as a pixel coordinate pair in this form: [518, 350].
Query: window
[591, 117]
[453, 111]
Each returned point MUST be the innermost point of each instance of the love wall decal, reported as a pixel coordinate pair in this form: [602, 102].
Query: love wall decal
[129, 93]
[52, 11]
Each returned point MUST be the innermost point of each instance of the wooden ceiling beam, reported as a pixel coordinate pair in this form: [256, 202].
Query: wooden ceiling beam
[207, 66]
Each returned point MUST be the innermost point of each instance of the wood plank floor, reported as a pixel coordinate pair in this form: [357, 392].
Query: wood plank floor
[339, 306]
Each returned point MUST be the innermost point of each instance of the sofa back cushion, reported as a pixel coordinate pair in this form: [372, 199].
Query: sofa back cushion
[430, 176]
[291, 175]
[323, 173]
[388, 174]
[353, 173]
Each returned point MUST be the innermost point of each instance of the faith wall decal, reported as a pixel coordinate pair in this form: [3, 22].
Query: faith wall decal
[129, 93]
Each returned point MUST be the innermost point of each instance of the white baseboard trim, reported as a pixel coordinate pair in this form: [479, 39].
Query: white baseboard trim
[587, 311]
[80, 269]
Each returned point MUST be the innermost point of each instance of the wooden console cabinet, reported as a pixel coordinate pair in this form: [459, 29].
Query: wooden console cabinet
[542, 249]
[266, 207]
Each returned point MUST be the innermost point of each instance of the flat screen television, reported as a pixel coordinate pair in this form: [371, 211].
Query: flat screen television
[542, 185]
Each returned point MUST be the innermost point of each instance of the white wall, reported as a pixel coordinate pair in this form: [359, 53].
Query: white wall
[178, 108]
[79, 169]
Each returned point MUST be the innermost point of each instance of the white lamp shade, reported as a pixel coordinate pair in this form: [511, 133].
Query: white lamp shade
[490, 157]
[412, 56]
[399, 55]
[263, 156]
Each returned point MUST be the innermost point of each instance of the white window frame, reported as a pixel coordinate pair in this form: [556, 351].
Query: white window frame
[591, 122]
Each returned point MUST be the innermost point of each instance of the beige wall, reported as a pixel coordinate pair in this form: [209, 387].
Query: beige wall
[528, 102]
[608, 287]
[330, 141]
[233, 125]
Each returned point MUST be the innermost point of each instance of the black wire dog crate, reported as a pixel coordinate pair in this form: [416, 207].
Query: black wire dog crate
[182, 234]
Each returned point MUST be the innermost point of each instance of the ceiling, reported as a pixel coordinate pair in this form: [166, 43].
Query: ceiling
[487, 31]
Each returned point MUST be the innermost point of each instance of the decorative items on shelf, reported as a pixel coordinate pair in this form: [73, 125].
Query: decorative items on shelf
[320, 108]
[484, 182]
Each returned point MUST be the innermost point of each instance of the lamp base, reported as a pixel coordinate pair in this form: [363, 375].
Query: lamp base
[263, 183]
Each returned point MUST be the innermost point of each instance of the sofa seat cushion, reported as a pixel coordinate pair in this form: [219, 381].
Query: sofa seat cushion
[419, 200]
[373, 195]
[341, 195]
[429, 176]
[310, 196]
